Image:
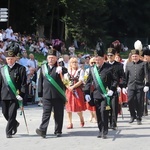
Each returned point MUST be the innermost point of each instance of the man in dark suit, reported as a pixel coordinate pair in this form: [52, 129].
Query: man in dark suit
[12, 88]
[106, 75]
[51, 89]
[146, 55]
[118, 68]
[136, 79]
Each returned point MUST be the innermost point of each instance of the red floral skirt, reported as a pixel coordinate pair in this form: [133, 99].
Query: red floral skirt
[76, 102]
[91, 108]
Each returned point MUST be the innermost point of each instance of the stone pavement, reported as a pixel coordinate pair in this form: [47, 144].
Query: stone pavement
[126, 137]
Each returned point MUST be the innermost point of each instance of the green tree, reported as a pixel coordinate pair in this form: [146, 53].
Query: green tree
[85, 20]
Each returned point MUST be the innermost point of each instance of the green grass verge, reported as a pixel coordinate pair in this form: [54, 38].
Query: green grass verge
[42, 58]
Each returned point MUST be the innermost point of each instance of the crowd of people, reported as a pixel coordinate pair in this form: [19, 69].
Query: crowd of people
[100, 83]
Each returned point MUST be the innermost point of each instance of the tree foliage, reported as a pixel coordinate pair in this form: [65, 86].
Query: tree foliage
[84, 20]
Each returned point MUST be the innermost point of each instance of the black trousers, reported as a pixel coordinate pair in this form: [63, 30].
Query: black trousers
[114, 110]
[145, 104]
[102, 115]
[57, 105]
[135, 102]
[9, 110]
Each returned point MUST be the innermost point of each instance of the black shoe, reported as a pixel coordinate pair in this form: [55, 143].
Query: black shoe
[9, 136]
[114, 127]
[139, 122]
[132, 119]
[41, 133]
[99, 135]
[14, 131]
[104, 136]
[58, 134]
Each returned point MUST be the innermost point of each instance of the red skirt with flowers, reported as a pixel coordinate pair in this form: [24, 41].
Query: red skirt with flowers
[122, 98]
[75, 103]
[91, 108]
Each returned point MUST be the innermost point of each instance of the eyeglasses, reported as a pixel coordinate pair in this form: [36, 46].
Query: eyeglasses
[109, 55]
[74, 62]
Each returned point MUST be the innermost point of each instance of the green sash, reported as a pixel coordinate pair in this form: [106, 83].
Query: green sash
[9, 81]
[101, 85]
[53, 82]
[11, 84]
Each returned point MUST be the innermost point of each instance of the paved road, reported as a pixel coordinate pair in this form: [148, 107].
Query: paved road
[126, 137]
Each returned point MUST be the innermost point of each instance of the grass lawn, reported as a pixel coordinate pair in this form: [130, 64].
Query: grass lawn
[42, 58]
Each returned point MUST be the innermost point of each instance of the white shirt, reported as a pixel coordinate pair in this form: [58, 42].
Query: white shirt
[24, 61]
[65, 64]
[8, 33]
[1, 37]
[81, 76]
[32, 63]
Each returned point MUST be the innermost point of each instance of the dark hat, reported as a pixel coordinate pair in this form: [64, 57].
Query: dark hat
[10, 53]
[52, 52]
[145, 47]
[146, 52]
[99, 53]
[116, 45]
[135, 51]
[111, 51]
[13, 47]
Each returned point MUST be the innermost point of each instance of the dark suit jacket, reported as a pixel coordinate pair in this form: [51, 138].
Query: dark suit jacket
[136, 75]
[18, 76]
[46, 89]
[108, 78]
[118, 68]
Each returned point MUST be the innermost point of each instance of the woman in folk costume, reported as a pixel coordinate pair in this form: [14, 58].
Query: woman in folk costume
[90, 106]
[74, 81]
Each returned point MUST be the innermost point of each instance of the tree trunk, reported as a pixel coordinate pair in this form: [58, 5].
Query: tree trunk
[62, 31]
[40, 31]
[52, 19]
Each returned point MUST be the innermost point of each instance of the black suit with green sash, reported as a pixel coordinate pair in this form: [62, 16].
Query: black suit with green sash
[9, 102]
[52, 99]
[109, 80]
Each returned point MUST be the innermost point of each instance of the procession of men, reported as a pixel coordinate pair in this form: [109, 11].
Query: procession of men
[106, 76]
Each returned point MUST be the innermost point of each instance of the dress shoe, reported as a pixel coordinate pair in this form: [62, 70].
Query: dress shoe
[114, 127]
[104, 136]
[139, 122]
[14, 131]
[58, 134]
[9, 136]
[132, 119]
[70, 126]
[99, 135]
[41, 133]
